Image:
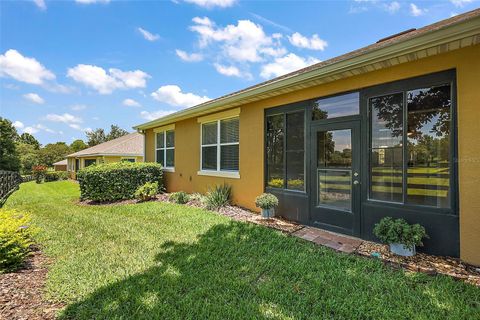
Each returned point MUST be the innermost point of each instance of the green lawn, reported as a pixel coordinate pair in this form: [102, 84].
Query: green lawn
[166, 261]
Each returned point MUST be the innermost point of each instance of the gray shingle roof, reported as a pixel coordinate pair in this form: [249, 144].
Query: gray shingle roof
[128, 145]
[61, 163]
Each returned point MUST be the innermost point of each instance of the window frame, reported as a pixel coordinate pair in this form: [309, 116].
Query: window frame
[165, 148]
[284, 110]
[447, 77]
[219, 172]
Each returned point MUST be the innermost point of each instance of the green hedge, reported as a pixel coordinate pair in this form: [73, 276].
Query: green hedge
[117, 181]
[56, 176]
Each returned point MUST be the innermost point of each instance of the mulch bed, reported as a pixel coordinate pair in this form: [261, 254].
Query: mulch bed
[21, 292]
[422, 262]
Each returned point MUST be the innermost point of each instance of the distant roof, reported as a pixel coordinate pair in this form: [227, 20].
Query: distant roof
[61, 163]
[128, 145]
[344, 61]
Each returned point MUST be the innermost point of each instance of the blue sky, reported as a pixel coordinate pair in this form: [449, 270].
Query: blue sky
[71, 66]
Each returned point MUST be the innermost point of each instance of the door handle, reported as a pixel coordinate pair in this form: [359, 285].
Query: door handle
[355, 182]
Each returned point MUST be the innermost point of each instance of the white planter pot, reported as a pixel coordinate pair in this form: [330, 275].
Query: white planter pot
[268, 213]
[401, 250]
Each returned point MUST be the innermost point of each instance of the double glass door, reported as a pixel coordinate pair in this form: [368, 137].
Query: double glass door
[335, 175]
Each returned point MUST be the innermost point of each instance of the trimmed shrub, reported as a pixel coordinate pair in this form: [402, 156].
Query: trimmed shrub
[56, 176]
[16, 238]
[266, 201]
[147, 192]
[117, 181]
[390, 230]
[218, 197]
[39, 173]
[180, 197]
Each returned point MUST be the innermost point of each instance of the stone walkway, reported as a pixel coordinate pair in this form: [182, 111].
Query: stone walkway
[329, 239]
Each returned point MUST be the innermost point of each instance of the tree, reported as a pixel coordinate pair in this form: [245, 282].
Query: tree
[116, 132]
[95, 137]
[53, 152]
[27, 138]
[98, 136]
[9, 159]
[29, 157]
[78, 145]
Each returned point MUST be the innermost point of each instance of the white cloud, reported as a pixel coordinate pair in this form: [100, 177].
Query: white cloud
[244, 42]
[91, 1]
[392, 7]
[189, 57]
[286, 64]
[155, 114]
[18, 125]
[13, 64]
[40, 4]
[231, 71]
[65, 118]
[35, 98]
[148, 35]
[106, 82]
[30, 130]
[36, 128]
[78, 107]
[212, 3]
[173, 95]
[313, 43]
[460, 3]
[131, 103]
[416, 11]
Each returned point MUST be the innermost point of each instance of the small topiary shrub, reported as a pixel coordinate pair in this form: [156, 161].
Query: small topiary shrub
[218, 197]
[16, 238]
[39, 173]
[147, 192]
[180, 197]
[390, 230]
[117, 181]
[266, 201]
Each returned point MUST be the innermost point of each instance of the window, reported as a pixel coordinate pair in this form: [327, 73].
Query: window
[338, 106]
[128, 160]
[220, 145]
[89, 162]
[286, 150]
[410, 146]
[165, 148]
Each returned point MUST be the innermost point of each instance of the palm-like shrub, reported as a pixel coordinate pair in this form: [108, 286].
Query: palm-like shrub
[218, 197]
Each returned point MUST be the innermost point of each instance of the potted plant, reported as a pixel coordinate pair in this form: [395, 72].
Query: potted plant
[267, 202]
[400, 236]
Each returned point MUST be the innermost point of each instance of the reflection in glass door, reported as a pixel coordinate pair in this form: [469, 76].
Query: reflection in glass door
[335, 175]
[334, 169]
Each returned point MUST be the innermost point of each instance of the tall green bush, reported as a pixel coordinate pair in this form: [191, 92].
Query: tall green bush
[117, 181]
[16, 238]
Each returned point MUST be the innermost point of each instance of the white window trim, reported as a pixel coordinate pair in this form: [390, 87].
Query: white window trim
[235, 174]
[165, 148]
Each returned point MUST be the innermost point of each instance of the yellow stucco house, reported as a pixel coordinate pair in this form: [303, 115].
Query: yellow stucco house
[126, 148]
[391, 129]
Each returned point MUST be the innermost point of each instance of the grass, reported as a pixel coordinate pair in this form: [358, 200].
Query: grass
[168, 261]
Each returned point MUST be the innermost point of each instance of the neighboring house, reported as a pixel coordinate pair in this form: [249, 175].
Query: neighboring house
[60, 165]
[126, 148]
[387, 130]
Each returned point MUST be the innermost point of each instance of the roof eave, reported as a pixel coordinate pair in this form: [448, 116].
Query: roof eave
[463, 29]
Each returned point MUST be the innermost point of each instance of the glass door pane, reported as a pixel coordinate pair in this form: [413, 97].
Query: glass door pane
[334, 169]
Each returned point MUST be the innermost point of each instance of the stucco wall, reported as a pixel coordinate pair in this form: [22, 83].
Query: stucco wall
[467, 63]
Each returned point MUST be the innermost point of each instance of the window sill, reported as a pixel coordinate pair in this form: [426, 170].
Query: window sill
[221, 174]
[169, 169]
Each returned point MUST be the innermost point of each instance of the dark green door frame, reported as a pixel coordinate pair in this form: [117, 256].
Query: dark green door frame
[328, 217]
